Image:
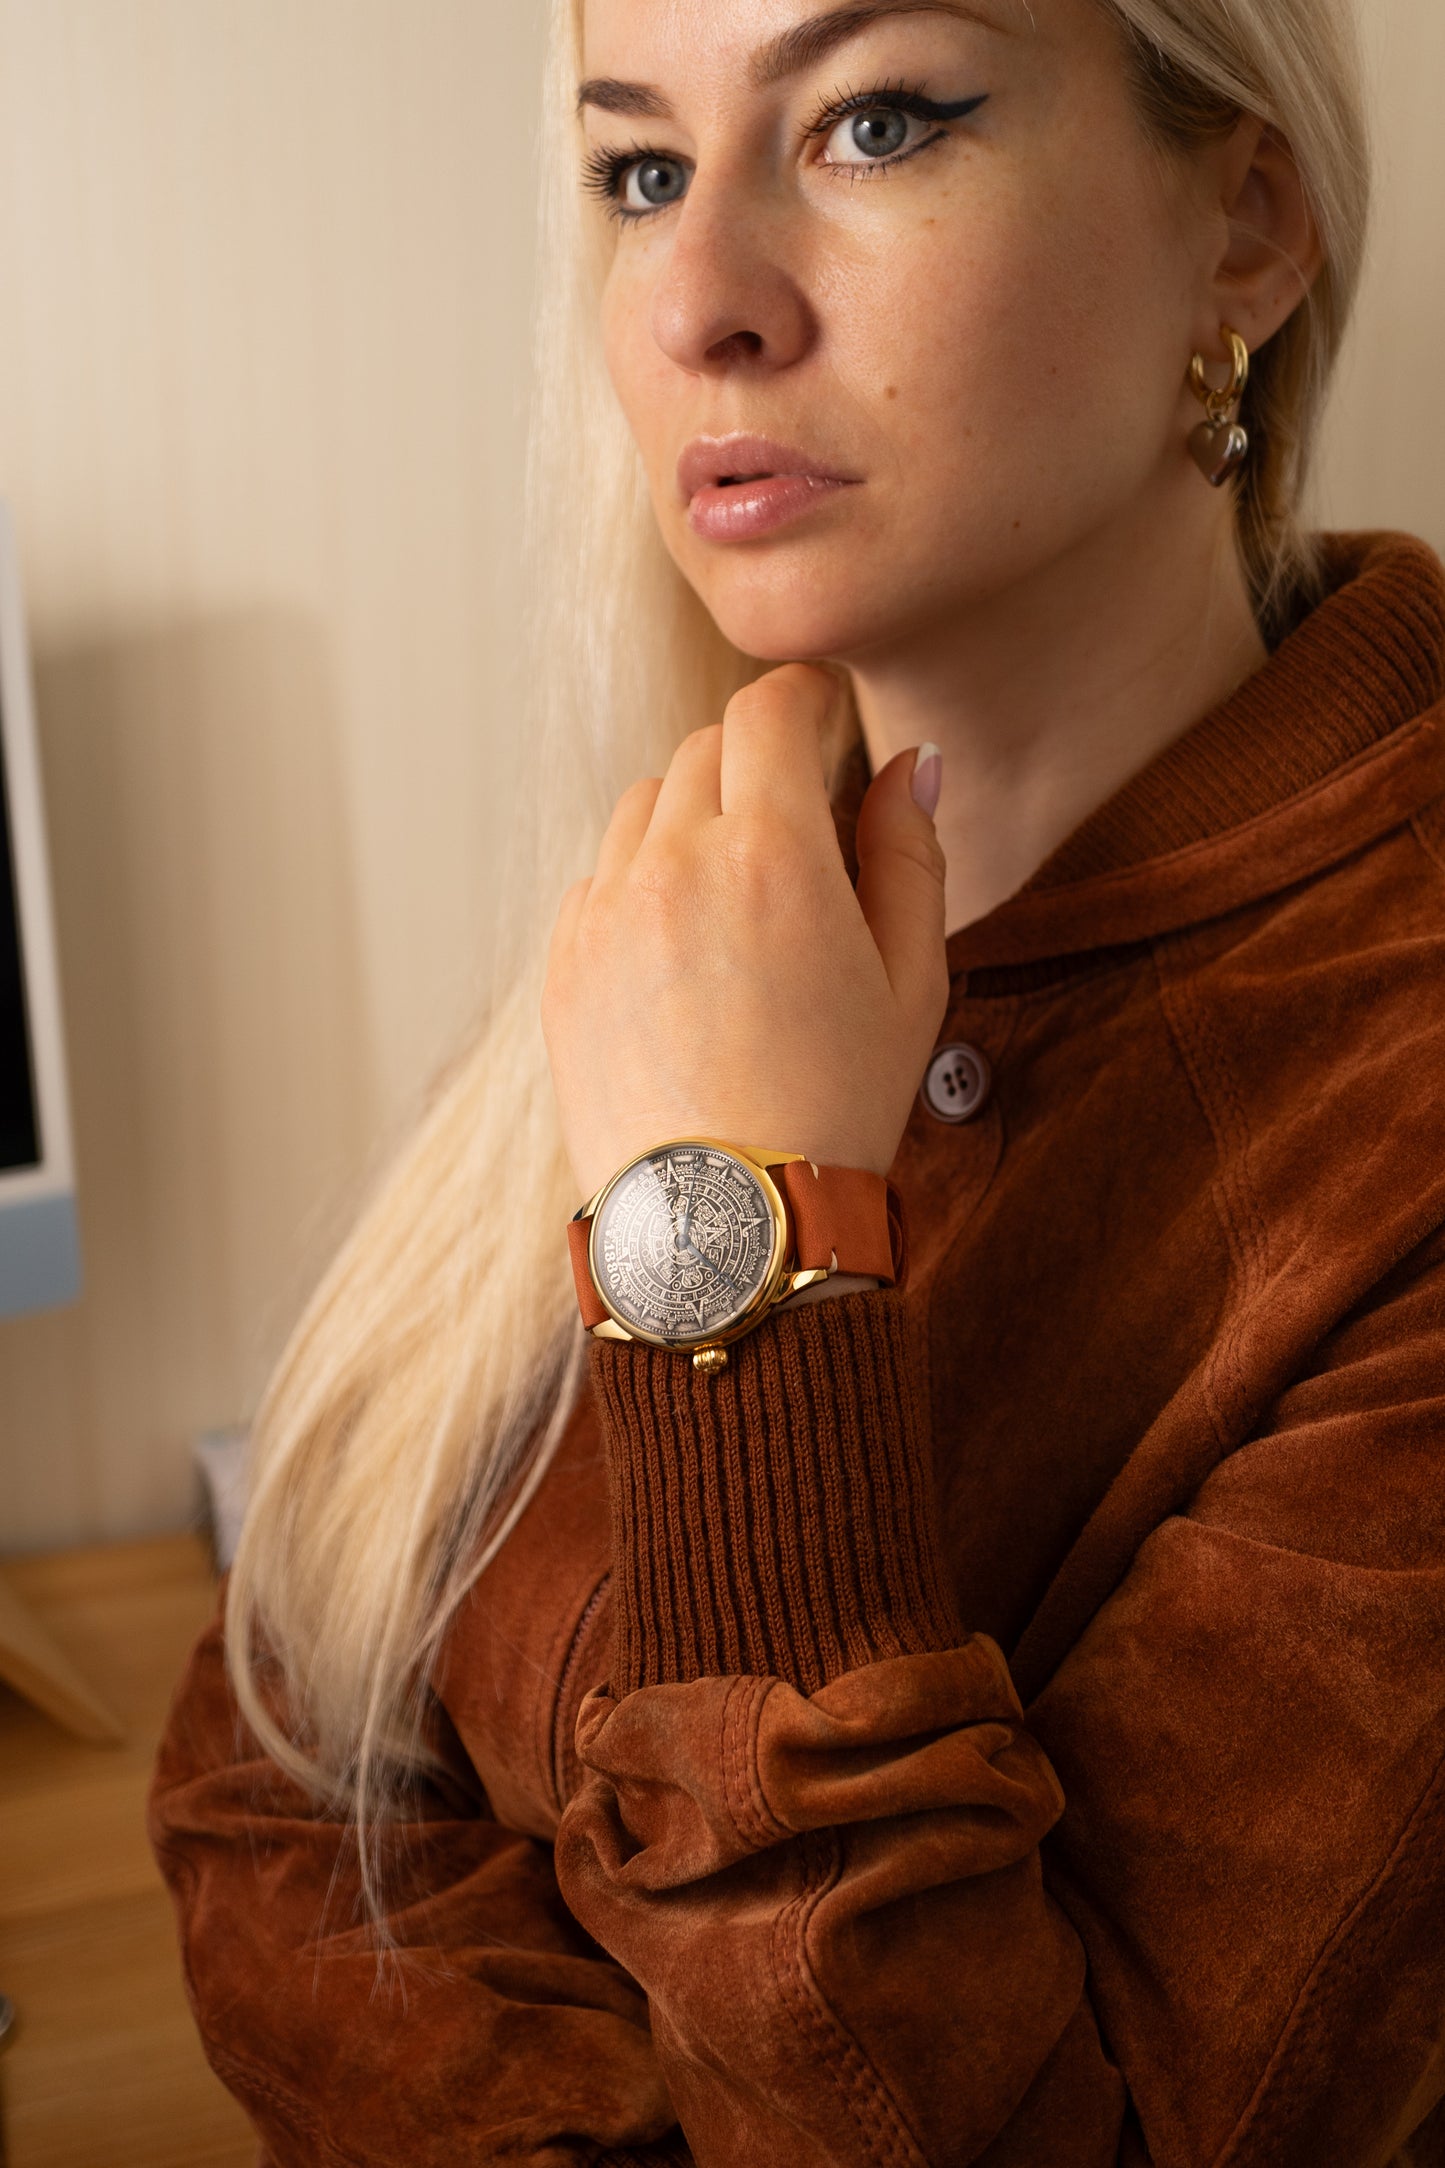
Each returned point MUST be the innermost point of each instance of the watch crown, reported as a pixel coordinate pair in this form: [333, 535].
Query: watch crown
[709, 1360]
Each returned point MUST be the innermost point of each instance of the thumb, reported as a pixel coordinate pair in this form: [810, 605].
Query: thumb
[901, 870]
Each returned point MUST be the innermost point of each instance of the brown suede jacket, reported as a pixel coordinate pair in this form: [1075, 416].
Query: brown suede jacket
[1001, 1721]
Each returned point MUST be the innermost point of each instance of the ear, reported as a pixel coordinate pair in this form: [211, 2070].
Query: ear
[1271, 253]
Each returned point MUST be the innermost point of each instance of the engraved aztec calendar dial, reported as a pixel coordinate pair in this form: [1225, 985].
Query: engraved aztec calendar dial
[683, 1243]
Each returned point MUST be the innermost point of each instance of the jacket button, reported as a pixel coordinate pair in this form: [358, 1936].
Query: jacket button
[957, 1083]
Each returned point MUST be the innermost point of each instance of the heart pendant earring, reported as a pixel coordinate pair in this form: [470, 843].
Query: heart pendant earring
[1220, 445]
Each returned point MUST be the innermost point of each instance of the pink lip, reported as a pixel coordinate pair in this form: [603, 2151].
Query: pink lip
[772, 484]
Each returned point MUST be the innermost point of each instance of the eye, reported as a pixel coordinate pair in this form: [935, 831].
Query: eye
[882, 131]
[868, 131]
[651, 184]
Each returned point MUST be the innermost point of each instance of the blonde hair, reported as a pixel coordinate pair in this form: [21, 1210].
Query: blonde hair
[429, 1380]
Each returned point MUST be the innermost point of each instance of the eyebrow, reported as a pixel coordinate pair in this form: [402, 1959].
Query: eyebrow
[808, 42]
[793, 50]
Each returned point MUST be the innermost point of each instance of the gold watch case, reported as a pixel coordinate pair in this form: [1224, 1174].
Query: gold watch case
[709, 1352]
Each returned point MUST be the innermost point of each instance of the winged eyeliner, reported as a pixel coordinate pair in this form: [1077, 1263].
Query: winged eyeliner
[883, 97]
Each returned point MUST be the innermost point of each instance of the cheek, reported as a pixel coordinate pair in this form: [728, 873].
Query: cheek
[639, 370]
[1036, 324]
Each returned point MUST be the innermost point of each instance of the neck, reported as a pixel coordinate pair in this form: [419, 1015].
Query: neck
[1047, 697]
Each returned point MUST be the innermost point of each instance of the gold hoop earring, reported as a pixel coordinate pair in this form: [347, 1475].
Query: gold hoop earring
[1220, 445]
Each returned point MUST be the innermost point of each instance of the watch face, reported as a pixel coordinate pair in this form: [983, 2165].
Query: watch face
[683, 1243]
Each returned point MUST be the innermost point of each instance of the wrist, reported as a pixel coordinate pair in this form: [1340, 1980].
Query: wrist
[693, 1243]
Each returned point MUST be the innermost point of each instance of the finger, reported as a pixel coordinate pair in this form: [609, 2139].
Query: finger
[569, 911]
[901, 870]
[627, 827]
[772, 755]
[690, 791]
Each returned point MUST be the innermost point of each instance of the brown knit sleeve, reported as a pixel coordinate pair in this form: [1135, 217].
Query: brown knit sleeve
[778, 1518]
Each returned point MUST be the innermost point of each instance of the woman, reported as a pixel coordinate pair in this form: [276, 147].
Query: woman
[988, 1707]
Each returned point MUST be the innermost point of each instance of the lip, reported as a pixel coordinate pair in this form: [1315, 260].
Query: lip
[783, 483]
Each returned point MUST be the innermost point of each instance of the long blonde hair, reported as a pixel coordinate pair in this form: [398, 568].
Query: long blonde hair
[431, 1375]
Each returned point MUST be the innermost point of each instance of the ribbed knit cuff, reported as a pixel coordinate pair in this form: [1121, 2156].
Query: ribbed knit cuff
[776, 1519]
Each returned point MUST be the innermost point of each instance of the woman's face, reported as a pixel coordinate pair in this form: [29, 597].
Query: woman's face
[937, 255]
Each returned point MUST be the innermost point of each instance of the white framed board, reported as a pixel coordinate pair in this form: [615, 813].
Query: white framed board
[39, 1244]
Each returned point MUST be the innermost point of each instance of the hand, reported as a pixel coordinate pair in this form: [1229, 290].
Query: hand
[718, 976]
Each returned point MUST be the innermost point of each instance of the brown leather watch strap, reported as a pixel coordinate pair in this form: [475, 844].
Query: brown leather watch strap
[848, 1211]
[593, 1308]
[842, 1217]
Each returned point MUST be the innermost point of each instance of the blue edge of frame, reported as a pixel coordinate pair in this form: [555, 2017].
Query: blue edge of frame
[39, 1254]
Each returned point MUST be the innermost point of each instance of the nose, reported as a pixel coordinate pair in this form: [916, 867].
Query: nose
[726, 296]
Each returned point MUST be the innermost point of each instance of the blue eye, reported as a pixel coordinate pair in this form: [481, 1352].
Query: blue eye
[658, 181]
[632, 185]
[875, 123]
[879, 133]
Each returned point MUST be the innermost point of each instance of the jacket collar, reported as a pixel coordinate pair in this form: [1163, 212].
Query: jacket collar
[1338, 738]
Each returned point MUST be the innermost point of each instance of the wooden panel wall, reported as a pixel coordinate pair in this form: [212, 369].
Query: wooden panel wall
[1384, 460]
[262, 374]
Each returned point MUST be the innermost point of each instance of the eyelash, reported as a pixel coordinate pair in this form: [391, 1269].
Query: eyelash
[603, 170]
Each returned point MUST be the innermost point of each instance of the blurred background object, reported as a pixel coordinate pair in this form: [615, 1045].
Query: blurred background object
[223, 1459]
[39, 1252]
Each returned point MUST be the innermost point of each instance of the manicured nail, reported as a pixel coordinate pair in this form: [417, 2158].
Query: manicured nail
[928, 778]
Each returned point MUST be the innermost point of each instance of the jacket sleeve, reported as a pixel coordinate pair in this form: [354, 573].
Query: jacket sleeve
[494, 2031]
[1190, 1911]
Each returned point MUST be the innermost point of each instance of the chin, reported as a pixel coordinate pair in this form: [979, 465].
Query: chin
[811, 626]
[822, 603]
[795, 617]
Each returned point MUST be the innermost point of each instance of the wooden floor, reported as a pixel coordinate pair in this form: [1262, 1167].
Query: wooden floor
[104, 2069]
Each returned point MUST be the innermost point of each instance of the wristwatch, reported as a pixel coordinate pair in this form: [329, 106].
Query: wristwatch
[694, 1243]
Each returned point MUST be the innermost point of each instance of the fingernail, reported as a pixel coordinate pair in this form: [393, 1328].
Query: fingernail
[928, 778]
